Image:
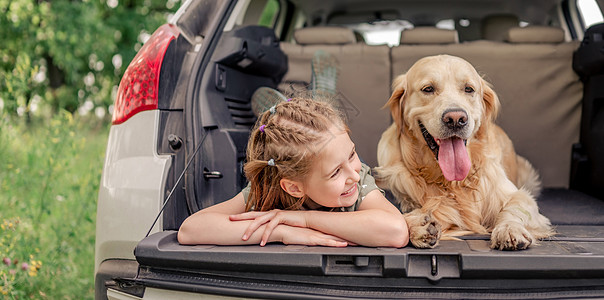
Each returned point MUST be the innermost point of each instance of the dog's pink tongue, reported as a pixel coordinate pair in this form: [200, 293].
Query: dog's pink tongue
[453, 159]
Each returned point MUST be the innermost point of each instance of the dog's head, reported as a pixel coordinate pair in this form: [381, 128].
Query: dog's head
[443, 101]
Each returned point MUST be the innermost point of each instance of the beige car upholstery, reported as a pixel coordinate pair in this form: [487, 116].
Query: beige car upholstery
[535, 34]
[363, 83]
[325, 35]
[495, 27]
[428, 36]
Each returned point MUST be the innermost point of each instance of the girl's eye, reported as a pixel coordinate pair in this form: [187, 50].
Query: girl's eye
[352, 155]
[428, 89]
[335, 173]
[469, 89]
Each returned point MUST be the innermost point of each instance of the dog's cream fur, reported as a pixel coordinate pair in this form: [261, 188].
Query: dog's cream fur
[498, 194]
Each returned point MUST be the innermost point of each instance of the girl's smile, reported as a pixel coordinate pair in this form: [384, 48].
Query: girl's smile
[351, 191]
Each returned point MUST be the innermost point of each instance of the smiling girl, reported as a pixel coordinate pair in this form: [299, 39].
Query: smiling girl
[307, 186]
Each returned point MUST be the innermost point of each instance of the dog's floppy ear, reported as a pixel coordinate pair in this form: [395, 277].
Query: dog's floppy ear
[395, 103]
[491, 101]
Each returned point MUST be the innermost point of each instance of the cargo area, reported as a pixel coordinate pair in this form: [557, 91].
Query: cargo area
[543, 122]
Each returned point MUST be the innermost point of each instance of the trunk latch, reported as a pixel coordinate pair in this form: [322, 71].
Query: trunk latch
[433, 267]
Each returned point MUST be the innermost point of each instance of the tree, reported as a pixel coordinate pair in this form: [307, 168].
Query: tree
[70, 55]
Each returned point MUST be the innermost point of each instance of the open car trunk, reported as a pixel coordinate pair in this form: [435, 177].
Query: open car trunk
[569, 264]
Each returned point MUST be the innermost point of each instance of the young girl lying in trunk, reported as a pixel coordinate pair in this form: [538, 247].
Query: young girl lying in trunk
[307, 186]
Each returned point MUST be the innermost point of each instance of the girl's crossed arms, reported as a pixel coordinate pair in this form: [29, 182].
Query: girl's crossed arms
[307, 186]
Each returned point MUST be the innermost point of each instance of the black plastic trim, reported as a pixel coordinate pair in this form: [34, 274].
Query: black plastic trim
[567, 17]
[193, 124]
[113, 269]
[259, 285]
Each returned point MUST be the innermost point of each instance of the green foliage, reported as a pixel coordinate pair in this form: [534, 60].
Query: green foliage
[59, 60]
[62, 54]
[269, 14]
[49, 178]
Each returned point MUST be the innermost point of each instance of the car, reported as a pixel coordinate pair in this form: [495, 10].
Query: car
[182, 117]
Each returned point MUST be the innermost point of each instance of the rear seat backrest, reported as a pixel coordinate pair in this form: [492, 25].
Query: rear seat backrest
[538, 89]
[363, 83]
[428, 36]
[535, 34]
[495, 27]
[324, 35]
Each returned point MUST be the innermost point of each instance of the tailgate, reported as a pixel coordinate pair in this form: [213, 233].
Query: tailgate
[571, 264]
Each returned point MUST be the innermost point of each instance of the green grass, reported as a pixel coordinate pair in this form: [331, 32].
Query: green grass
[49, 178]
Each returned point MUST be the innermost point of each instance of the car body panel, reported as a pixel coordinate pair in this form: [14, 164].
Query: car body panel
[131, 187]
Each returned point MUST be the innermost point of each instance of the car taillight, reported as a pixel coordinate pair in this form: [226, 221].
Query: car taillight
[138, 88]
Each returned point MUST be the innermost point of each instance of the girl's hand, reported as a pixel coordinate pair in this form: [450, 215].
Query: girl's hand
[272, 219]
[290, 235]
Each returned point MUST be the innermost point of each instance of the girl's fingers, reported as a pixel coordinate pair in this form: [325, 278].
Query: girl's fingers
[258, 221]
[333, 241]
[268, 230]
[338, 244]
[250, 215]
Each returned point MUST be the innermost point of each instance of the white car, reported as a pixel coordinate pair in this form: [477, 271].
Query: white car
[183, 115]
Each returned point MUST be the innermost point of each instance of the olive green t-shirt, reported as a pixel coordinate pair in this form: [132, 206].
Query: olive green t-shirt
[365, 185]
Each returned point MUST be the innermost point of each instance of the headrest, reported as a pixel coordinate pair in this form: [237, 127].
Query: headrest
[495, 27]
[324, 35]
[429, 36]
[535, 34]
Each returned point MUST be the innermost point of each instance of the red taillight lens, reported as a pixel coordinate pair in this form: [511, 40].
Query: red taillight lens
[138, 88]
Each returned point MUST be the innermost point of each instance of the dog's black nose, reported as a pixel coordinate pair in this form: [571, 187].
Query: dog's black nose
[455, 118]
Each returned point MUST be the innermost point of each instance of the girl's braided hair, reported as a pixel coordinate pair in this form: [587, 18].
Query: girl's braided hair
[284, 144]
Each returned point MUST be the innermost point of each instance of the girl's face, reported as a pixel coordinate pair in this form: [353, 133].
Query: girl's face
[332, 181]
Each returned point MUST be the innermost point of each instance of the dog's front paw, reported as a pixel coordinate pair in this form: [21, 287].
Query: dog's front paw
[424, 230]
[510, 236]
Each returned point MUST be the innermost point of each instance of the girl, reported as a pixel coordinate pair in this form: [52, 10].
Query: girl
[307, 186]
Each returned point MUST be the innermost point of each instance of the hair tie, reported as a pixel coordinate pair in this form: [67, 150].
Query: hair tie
[288, 99]
[271, 162]
[261, 128]
[272, 110]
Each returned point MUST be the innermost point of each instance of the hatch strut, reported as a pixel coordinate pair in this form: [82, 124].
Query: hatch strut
[176, 183]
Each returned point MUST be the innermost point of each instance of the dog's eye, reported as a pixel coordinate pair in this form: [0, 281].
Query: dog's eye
[469, 89]
[428, 89]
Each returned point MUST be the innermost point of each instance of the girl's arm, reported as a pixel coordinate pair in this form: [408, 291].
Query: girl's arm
[213, 226]
[377, 223]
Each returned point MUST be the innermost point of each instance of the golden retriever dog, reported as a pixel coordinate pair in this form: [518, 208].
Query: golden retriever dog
[453, 170]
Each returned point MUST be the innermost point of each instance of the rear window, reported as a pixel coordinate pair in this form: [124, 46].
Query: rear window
[382, 32]
[590, 12]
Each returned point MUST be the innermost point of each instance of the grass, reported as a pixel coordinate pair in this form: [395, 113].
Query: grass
[49, 178]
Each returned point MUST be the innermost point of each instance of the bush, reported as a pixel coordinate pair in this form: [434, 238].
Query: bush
[49, 177]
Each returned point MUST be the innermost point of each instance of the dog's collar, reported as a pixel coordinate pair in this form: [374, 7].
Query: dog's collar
[430, 141]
